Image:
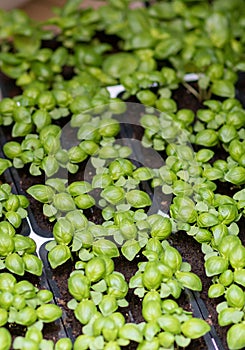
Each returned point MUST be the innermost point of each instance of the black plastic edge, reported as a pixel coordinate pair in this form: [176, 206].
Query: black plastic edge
[204, 312]
[24, 228]
[51, 285]
[12, 176]
[44, 284]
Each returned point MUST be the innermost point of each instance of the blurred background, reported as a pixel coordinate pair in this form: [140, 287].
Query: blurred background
[41, 9]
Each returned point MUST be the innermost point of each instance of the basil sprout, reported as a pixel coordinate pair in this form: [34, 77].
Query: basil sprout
[34, 334]
[229, 316]
[172, 258]
[63, 231]
[6, 300]
[224, 88]
[147, 97]
[152, 277]
[204, 155]
[84, 201]
[44, 295]
[151, 310]
[237, 256]
[128, 229]
[25, 288]
[79, 187]
[236, 150]
[235, 296]
[48, 312]
[138, 199]
[14, 263]
[239, 277]
[42, 193]
[117, 286]
[109, 127]
[120, 167]
[235, 336]
[108, 305]
[166, 339]
[79, 285]
[113, 194]
[236, 175]
[189, 280]
[216, 290]
[206, 138]
[105, 247]
[77, 219]
[26, 316]
[161, 227]
[228, 243]
[169, 305]
[149, 344]
[131, 331]
[101, 181]
[115, 66]
[77, 154]
[85, 311]
[5, 338]
[82, 342]
[95, 269]
[58, 255]
[3, 317]
[33, 264]
[7, 281]
[19, 302]
[215, 265]
[226, 278]
[183, 209]
[195, 328]
[63, 344]
[6, 244]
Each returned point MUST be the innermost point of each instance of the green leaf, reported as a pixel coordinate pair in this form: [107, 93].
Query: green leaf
[49, 210]
[63, 202]
[100, 286]
[229, 316]
[96, 297]
[195, 328]
[48, 312]
[131, 331]
[216, 290]
[138, 199]
[223, 88]
[72, 304]
[236, 336]
[14, 263]
[105, 247]
[215, 265]
[217, 28]
[119, 64]
[189, 280]
[58, 255]
[236, 175]
[33, 264]
[130, 249]
[4, 164]
[50, 165]
[182, 341]
[42, 193]
[122, 302]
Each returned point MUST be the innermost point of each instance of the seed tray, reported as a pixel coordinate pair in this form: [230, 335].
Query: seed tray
[210, 341]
